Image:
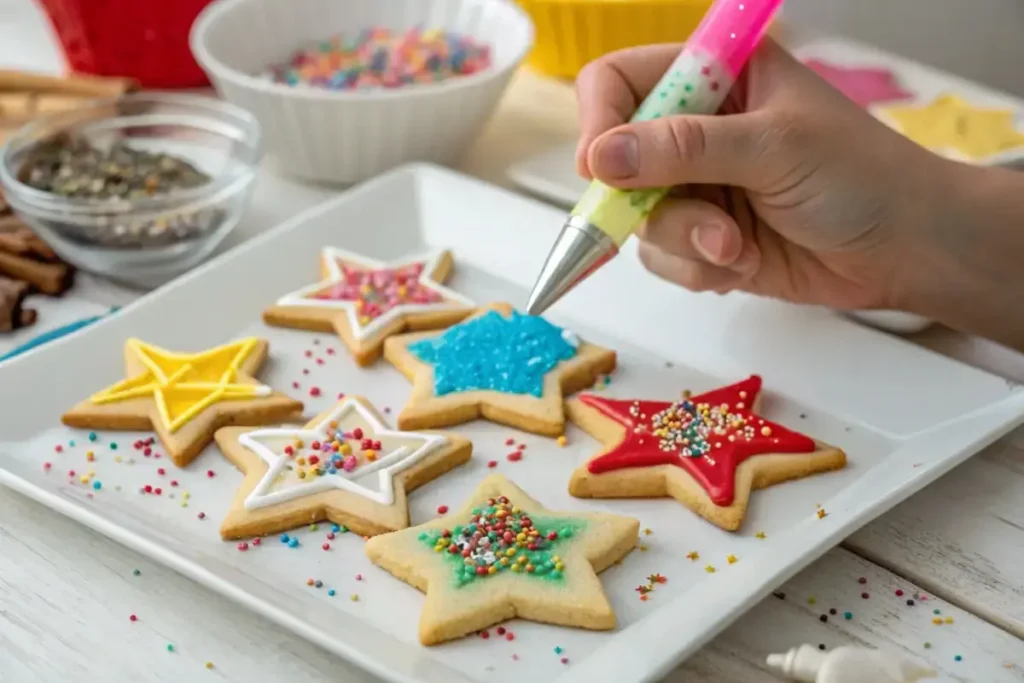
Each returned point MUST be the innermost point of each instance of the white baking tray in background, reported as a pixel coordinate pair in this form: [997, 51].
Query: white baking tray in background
[904, 416]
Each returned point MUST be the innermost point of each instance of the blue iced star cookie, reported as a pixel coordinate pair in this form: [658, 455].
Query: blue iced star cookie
[511, 355]
[498, 364]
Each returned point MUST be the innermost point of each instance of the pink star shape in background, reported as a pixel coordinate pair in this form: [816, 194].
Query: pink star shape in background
[865, 86]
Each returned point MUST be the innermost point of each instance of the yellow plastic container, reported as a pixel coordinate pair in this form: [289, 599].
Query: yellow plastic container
[570, 33]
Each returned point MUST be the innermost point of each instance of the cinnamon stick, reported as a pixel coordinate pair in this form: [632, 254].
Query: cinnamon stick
[13, 314]
[18, 239]
[76, 84]
[24, 106]
[49, 278]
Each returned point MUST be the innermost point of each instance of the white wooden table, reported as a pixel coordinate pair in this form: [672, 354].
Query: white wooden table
[66, 593]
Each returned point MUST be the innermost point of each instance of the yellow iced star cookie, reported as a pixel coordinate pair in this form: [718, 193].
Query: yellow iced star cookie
[185, 397]
[951, 126]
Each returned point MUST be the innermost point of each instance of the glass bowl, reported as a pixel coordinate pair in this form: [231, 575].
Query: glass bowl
[142, 242]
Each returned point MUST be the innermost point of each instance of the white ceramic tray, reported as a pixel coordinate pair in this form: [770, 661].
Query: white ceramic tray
[904, 415]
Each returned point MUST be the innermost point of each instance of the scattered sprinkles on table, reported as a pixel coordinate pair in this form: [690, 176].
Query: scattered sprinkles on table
[381, 58]
[500, 537]
[652, 582]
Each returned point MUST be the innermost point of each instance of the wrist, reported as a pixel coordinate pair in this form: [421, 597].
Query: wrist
[965, 254]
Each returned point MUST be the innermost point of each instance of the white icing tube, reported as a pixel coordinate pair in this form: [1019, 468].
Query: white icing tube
[808, 664]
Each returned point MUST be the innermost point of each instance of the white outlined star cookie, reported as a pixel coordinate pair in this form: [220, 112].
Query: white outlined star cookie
[365, 301]
[500, 365]
[185, 397]
[345, 466]
[525, 562]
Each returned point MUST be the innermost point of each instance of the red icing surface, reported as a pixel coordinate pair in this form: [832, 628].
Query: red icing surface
[708, 421]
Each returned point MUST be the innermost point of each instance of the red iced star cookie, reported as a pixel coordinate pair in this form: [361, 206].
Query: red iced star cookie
[707, 451]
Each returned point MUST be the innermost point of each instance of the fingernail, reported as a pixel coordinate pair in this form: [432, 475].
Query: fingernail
[709, 239]
[619, 156]
[747, 261]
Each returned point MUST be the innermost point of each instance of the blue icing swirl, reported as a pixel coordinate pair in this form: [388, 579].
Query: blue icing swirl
[511, 355]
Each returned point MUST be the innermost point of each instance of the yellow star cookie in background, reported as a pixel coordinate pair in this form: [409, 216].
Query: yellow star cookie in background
[500, 365]
[504, 556]
[954, 128]
[345, 466]
[185, 397]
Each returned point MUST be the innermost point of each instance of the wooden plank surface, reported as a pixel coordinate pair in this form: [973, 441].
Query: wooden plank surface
[963, 536]
[67, 594]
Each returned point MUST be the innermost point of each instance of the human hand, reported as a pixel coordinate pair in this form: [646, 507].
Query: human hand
[794, 192]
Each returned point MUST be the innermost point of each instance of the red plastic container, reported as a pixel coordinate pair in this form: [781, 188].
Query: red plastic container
[142, 39]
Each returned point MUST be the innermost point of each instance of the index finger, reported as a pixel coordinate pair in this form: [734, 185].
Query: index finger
[610, 89]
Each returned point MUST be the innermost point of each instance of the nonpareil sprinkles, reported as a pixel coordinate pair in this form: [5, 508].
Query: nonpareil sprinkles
[502, 538]
[375, 292]
[382, 58]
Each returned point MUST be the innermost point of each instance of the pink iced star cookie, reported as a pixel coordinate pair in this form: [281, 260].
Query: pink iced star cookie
[366, 301]
[865, 86]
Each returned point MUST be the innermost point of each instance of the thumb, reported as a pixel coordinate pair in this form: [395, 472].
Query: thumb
[677, 150]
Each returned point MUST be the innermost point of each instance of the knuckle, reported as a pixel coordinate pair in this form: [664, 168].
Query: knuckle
[683, 272]
[688, 137]
[784, 131]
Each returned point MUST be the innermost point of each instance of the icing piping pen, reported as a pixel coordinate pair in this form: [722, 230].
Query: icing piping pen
[697, 82]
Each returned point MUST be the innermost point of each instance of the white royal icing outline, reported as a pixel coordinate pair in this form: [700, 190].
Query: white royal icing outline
[386, 467]
[331, 255]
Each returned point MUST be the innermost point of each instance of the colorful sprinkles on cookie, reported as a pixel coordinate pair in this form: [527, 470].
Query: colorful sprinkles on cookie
[344, 447]
[502, 538]
[382, 58]
[695, 450]
[365, 300]
[707, 435]
[504, 555]
[373, 292]
[345, 465]
[493, 352]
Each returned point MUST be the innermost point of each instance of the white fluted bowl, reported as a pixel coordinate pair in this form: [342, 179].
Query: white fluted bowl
[348, 136]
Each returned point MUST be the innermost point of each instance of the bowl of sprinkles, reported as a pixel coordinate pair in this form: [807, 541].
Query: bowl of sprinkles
[140, 188]
[347, 90]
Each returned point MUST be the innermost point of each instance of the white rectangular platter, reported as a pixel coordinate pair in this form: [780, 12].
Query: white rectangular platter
[903, 415]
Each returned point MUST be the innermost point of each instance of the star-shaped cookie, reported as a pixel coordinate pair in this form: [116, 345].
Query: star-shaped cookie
[499, 364]
[707, 451]
[345, 466]
[185, 397]
[864, 85]
[504, 556]
[956, 129]
[366, 301]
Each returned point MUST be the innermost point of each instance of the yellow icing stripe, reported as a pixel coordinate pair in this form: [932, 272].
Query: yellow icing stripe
[179, 383]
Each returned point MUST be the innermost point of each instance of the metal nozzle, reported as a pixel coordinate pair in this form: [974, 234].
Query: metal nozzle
[581, 249]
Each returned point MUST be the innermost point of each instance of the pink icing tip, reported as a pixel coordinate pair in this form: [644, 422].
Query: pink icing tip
[731, 30]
